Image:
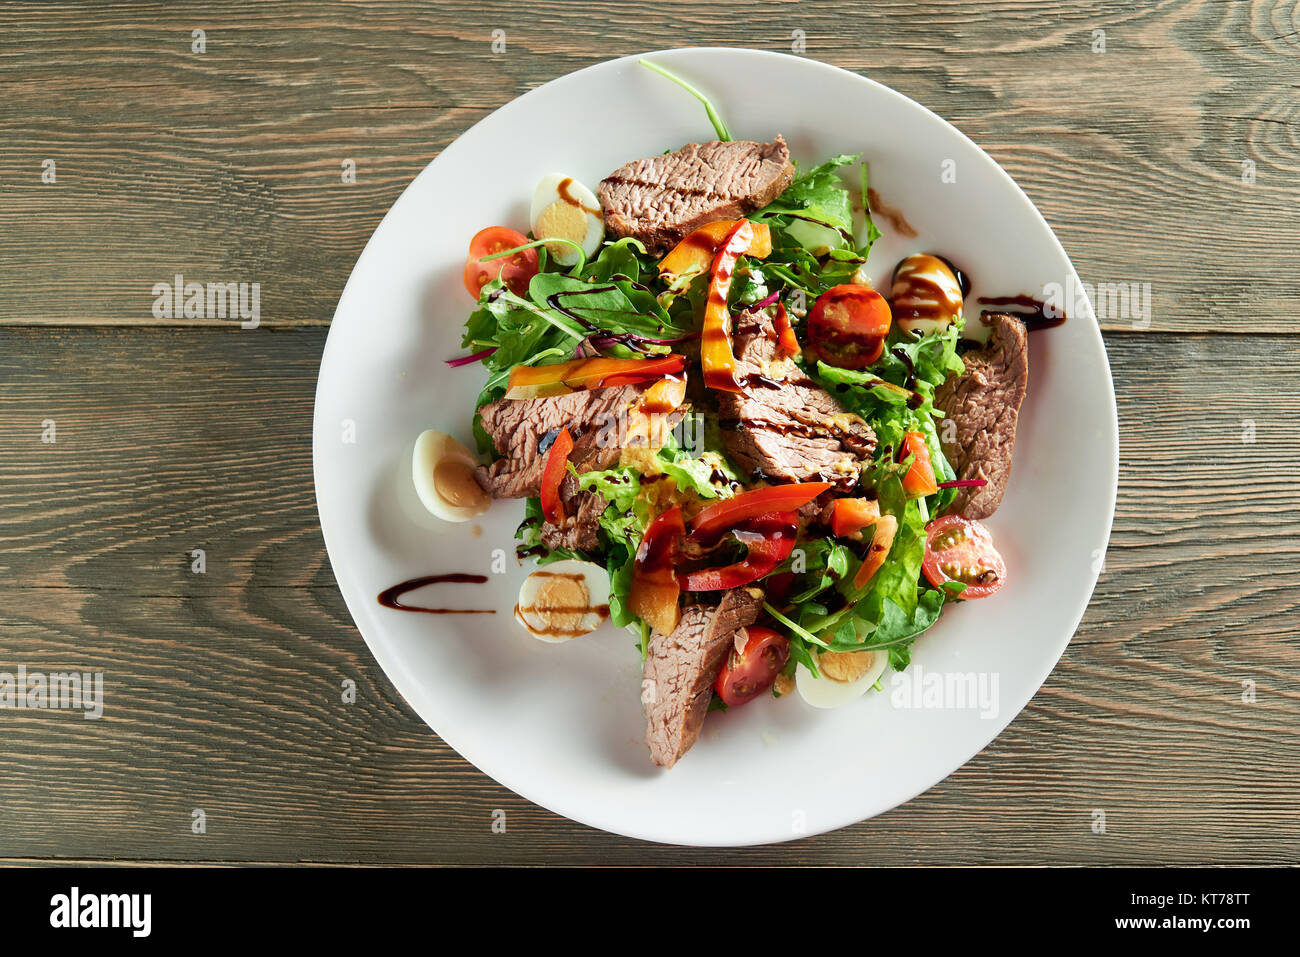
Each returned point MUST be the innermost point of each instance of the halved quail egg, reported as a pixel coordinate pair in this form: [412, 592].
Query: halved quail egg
[443, 472]
[563, 600]
[563, 208]
[845, 676]
[926, 294]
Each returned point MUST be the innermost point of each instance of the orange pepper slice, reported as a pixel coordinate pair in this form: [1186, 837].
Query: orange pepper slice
[531, 382]
[697, 250]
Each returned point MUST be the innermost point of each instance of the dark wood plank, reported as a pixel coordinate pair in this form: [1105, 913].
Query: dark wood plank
[226, 164]
[224, 689]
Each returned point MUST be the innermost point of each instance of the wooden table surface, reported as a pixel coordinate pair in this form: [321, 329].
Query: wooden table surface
[1171, 157]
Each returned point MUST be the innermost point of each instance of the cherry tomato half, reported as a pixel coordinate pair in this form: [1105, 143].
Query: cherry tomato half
[847, 326]
[959, 549]
[516, 271]
[746, 675]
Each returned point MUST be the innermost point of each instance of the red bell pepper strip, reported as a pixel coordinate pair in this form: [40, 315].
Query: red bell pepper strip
[769, 538]
[557, 466]
[919, 479]
[653, 594]
[851, 515]
[785, 332]
[716, 356]
[881, 542]
[746, 505]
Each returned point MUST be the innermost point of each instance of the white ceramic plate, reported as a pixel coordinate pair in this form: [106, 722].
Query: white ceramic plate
[562, 724]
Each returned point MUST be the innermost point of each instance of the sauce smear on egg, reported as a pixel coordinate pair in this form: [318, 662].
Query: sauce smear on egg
[568, 197]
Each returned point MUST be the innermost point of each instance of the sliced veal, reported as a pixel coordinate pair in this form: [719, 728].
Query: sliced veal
[983, 405]
[680, 670]
[660, 199]
[784, 426]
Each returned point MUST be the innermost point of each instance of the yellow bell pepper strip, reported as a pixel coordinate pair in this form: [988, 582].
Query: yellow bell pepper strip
[716, 356]
[664, 396]
[558, 378]
[653, 594]
[696, 251]
[849, 516]
[878, 550]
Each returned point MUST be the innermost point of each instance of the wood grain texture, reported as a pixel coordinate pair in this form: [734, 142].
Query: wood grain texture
[226, 164]
[223, 690]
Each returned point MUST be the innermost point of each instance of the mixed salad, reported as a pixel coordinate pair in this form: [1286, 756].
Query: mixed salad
[726, 440]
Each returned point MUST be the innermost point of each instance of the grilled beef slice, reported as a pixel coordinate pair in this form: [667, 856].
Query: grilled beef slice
[786, 427]
[984, 405]
[683, 666]
[579, 530]
[602, 422]
[660, 199]
[522, 431]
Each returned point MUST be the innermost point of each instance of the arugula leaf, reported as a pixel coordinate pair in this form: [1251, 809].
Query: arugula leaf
[624, 258]
[820, 563]
[819, 195]
[620, 565]
[606, 306]
[812, 230]
[797, 630]
[719, 127]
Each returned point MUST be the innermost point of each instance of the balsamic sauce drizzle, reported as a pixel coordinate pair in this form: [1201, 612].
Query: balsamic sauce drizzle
[1034, 313]
[391, 597]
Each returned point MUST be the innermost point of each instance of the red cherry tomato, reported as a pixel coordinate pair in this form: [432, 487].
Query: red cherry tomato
[961, 550]
[847, 326]
[746, 675]
[516, 271]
